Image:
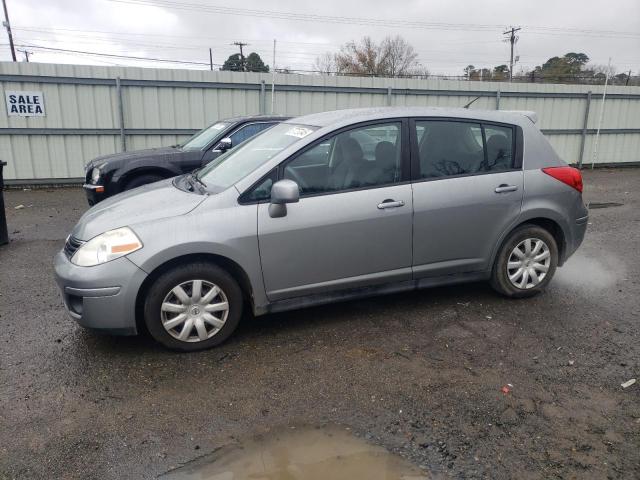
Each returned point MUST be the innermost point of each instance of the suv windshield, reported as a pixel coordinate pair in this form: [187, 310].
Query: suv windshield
[205, 136]
[234, 165]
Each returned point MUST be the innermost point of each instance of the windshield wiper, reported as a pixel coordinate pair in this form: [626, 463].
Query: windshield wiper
[194, 181]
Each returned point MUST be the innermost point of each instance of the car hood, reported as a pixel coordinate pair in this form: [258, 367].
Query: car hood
[144, 204]
[116, 159]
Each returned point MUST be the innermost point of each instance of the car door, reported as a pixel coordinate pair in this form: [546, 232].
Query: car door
[352, 225]
[467, 190]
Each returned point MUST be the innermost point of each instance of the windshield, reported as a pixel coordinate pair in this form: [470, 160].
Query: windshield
[205, 136]
[234, 165]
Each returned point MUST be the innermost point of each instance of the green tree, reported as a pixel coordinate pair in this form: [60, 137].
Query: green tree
[233, 63]
[501, 72]
[252, 63]
[563, 69]
[468, 70]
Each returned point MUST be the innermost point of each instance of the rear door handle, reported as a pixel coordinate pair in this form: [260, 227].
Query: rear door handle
[506, 188]
[390, 203]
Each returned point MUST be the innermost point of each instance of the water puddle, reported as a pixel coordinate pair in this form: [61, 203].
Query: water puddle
[596, 205]
[300, 454]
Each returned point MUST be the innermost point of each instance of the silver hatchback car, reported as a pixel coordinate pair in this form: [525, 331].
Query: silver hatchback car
[327, 207]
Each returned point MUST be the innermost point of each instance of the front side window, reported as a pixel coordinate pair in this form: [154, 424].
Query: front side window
[247, 131]
[363, 157]
[237, 163]
[205, 136]
[450, 148]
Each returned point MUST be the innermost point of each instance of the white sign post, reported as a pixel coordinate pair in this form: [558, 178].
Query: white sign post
[25, 104]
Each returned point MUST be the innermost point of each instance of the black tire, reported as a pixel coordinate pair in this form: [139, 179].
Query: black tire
[499, 275]
[179, 275]
[143, 179]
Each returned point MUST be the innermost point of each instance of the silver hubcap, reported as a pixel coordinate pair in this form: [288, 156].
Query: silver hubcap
[528, 263]
[194, 311]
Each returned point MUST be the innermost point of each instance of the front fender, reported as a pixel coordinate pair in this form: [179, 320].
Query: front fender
[228, 231]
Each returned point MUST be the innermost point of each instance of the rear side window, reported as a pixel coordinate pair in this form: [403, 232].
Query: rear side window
[248, 131]
[451, 148]
[499, 147]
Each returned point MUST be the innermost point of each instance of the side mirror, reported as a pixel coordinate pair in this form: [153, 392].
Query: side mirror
[283, 192]
[224, 144]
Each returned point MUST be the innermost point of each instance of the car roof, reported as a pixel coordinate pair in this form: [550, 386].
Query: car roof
[355, 115]
[253, 118]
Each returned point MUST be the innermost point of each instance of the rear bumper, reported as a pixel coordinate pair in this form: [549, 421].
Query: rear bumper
[578, 231]
[101, 297]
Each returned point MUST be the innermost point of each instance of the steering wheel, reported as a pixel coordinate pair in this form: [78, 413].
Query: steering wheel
[296, 177]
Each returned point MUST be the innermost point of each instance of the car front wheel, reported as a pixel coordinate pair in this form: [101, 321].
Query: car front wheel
[525, 263]
[193, 307]
[143, 179]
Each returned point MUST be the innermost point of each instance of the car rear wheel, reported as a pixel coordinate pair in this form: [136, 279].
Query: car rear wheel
[525, 263]
[143, 179]
[193, 307]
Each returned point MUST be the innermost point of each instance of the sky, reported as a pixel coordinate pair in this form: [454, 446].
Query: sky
[447, 35]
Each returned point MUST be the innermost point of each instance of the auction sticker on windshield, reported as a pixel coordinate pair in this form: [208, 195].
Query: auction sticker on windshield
[299, 132]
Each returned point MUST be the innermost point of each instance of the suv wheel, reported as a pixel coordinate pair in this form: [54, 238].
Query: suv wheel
[143, 179]
[193, 307]
[525, 263]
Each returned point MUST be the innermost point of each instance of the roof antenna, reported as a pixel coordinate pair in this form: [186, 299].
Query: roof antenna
[471, 102]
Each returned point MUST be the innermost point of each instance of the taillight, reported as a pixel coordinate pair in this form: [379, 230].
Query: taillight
[568, 175]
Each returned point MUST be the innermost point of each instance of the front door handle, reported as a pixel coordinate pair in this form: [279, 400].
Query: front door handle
[390, 203]
[506, 188]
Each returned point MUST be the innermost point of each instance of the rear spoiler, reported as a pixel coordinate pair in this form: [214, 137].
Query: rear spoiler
[533, 116]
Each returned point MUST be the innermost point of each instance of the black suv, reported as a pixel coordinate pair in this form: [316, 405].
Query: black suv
[110, 174]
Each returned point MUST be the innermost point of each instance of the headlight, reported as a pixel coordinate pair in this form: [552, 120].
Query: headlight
[106, 247]
[95, 175]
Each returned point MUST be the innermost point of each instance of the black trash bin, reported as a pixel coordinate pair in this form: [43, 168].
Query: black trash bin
[4, 234]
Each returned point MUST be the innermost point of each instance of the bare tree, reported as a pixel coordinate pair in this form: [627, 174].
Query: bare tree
[601, 69]
[419, 71]
[364, 58]
[392, 57]
[325, 63]
[400, 57]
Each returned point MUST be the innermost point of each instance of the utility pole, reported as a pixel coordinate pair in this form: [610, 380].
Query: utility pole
[26, 54]
[601, 116]
[211, 60]
[628, 77]
[512, 40]
[241, 44]
[273, 78]
[7, 25]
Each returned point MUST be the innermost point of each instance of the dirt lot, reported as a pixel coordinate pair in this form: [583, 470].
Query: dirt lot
[418, 373]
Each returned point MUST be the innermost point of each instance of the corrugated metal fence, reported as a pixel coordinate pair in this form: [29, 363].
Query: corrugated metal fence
[92, 111]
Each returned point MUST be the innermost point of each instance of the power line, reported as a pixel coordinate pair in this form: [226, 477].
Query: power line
[111, 55]
[392, 23]
[26, 54]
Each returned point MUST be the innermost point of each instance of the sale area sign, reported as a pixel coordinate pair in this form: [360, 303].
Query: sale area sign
[25, 104]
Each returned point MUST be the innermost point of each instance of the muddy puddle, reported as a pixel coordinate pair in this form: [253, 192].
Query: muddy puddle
[300, 454]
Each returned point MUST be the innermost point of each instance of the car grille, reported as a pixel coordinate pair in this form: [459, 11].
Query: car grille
[71, 246]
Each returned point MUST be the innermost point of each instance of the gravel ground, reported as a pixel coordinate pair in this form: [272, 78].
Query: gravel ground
[419, 373]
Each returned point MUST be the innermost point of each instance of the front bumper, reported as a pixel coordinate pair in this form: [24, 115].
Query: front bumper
[101, 297]
[94, 193]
